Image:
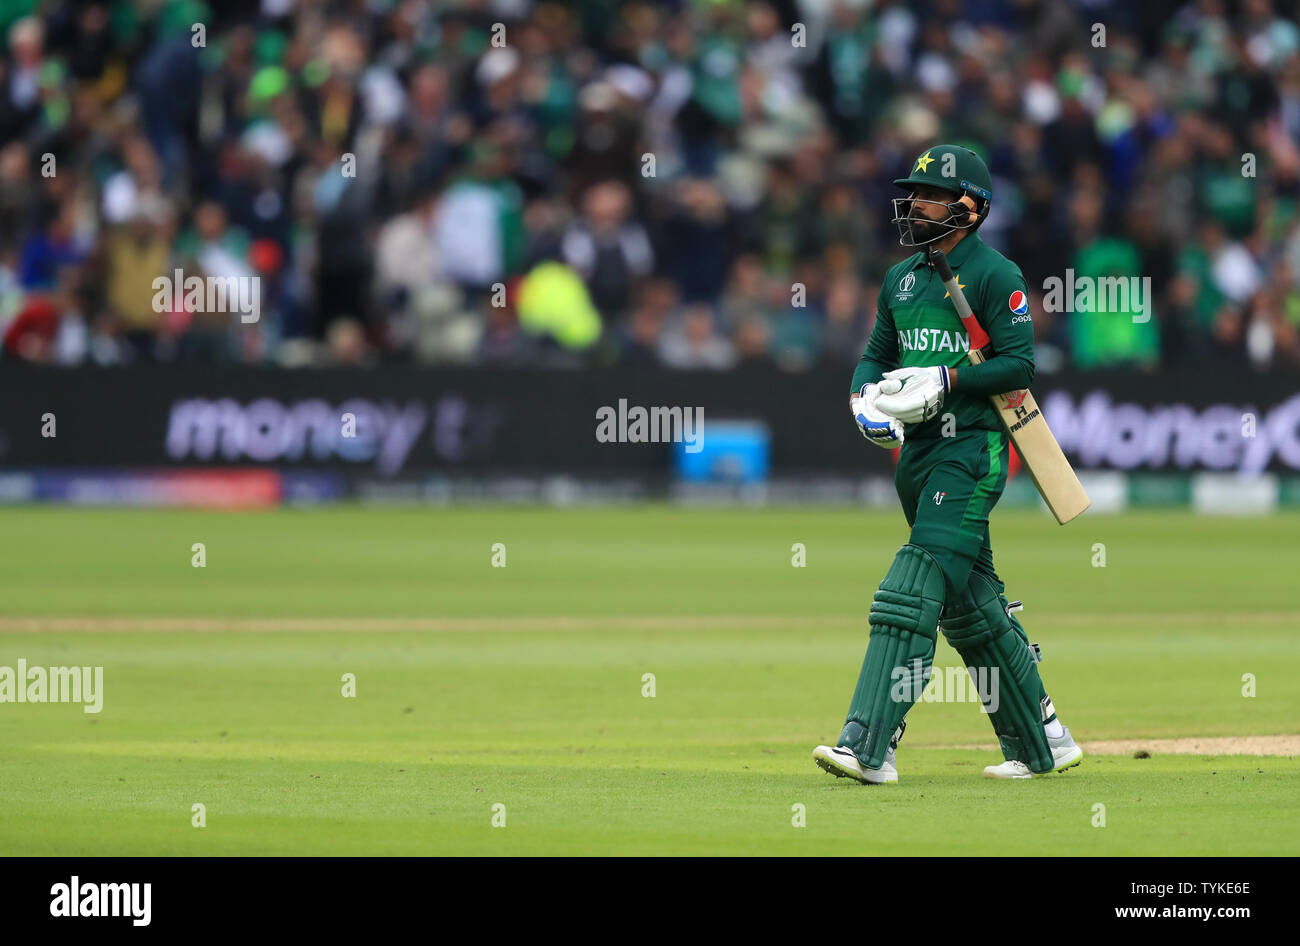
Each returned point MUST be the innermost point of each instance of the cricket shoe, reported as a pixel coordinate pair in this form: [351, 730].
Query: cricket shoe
[841, 762]
[1065, 754]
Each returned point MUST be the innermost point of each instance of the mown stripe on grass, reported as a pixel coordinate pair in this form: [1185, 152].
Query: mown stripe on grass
[100, 623]
[1286, 744]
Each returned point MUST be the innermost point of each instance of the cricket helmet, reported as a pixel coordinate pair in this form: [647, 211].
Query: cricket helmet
[957, 170]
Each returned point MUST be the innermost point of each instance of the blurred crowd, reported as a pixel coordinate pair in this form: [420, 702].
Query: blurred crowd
[696, 184]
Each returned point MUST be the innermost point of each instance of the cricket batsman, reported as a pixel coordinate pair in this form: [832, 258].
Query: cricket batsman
[915, 389]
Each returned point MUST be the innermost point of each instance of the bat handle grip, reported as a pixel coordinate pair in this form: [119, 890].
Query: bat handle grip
[940, 263]
[979, 339]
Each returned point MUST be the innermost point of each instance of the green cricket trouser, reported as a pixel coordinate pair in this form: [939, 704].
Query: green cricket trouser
[948, 487]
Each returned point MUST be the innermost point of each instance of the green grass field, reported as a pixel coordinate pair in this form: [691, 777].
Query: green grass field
[522, 686]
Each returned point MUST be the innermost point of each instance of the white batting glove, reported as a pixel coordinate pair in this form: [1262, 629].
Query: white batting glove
[920, 396]
[876, 425]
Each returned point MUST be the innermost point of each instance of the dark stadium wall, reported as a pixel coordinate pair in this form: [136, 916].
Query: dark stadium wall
[410, 421]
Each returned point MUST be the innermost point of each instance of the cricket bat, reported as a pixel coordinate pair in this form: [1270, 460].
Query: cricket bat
[1038, 449]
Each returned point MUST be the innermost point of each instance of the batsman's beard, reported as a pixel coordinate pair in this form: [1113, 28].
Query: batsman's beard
[922, 228]
[918, 229]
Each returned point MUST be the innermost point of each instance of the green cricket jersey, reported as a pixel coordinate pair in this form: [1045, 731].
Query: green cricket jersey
[917, 326]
